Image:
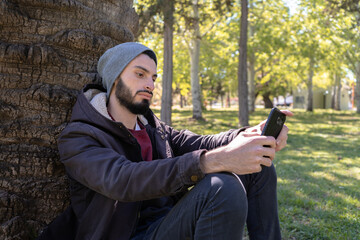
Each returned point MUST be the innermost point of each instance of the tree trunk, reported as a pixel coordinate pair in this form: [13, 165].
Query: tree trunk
[357, 87]
[166, 99]
[194, 62]
[48, 51]
[333, 93]
[251, 81]
[337, 96]
[181, 101]
[228, 101]
[251, 77]
[310, 86]
[242, 68]
[357, 69]
[267, 101]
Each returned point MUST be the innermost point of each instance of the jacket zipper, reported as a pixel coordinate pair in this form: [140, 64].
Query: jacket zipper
[138, 215]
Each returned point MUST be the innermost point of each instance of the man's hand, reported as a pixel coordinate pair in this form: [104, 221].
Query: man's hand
[281, 140]
[246, 153]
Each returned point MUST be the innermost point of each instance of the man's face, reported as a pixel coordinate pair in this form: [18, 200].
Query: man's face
[135, 85]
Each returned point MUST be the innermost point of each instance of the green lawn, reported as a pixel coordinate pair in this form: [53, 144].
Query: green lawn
[318, 172]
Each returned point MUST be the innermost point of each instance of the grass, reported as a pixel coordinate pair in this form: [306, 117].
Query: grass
[318, 171]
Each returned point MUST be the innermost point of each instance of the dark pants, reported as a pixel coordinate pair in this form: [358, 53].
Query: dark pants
[218, 207]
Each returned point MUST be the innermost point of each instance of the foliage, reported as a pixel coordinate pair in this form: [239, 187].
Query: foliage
[280, 45]
[318, 171]
[347, 5]
[269, 21]
[218, 65]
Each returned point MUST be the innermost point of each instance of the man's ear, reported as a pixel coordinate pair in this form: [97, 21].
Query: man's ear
[114, 85]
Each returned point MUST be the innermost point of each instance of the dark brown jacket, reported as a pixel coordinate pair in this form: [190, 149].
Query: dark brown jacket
[110, 183]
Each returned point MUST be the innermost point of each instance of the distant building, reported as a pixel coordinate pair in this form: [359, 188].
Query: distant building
[321, 98]
[283, 101]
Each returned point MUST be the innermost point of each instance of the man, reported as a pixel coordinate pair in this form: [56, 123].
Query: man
[130, 173]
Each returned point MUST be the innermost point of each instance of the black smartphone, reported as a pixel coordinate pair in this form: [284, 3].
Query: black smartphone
[274, 123]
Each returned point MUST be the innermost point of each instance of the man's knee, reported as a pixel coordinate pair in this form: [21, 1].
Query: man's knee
[268, 174]
[228, 183]
[228, 188]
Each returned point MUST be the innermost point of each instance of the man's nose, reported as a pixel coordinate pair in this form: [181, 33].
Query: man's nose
[150, 85]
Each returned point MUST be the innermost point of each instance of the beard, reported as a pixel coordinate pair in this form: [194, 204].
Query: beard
[124, 97]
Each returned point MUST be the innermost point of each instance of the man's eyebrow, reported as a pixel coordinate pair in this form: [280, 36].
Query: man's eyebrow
[145, 70]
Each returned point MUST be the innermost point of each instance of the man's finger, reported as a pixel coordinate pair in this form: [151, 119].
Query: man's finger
[269, 152]
[287, 113]
[268, 141]
[283, 133]
[250, 134]
[266, 162]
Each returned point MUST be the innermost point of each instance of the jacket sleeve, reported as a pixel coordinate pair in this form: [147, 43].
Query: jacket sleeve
[185, 141]
[96, 165]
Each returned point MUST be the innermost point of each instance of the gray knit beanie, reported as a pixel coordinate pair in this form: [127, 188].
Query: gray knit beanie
[114, 60]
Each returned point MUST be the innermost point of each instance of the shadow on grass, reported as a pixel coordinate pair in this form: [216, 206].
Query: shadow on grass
[318, 195]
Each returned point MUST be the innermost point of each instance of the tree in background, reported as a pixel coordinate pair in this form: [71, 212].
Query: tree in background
[284, 50]
[307, 47]
[149, 11]
[193, 22]
[350, 35]
[194, 19]
[333, 65]
[267, 44]
[219, 61]
[199, 17]
[242, 69]
[166, 97]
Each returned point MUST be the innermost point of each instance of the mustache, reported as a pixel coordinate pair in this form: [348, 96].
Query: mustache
[146, 91]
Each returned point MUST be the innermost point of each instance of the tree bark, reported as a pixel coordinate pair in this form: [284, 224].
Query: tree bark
[267, 101]
[310, 85]
[48, 51]
[228, 101]
[242, 68]
[251, 77]
[194, 62]
[357, 68]
[333, 93]
[251, 81]
[166, 98]
[357, 87]
[337, 96]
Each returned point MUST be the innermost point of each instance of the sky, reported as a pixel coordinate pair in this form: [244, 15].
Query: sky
[292, 4]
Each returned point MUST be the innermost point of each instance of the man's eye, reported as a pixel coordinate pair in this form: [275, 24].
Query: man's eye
[140, 74]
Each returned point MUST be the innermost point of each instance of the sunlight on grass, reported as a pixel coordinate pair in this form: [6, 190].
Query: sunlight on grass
[318, 172]
[323, 175]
